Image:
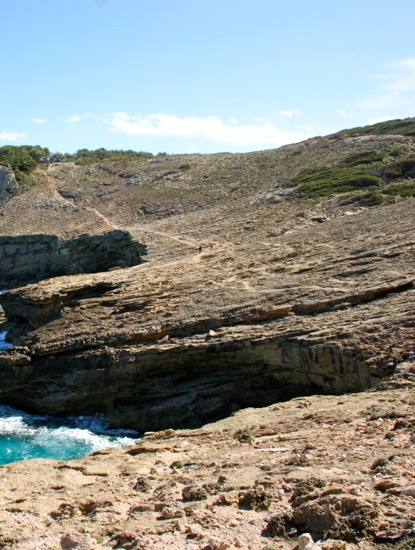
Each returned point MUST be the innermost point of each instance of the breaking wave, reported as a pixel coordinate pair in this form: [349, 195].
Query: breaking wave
[24, 436]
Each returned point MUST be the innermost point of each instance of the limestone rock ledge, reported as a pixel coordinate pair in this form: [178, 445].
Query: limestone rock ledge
[185, 342]
[338, 468]
[29, 258]
[162, 382]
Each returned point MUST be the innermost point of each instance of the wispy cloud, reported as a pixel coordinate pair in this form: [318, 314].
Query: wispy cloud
[397, 88]
[342, 112]
[39, 120]
[380, 119]
[213, 128]
[11, 136]
[74, 119]
[289, 112]
[404, 78]
[381, 101]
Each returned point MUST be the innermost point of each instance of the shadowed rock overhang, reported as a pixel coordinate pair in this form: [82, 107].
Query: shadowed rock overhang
[329, 309]
[30, 258]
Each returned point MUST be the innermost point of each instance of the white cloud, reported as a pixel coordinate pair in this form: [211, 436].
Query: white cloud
[289, 112]
[212, 128]
[380, 119]
[404, 79]
[379, 102]
[342, 112]
[11, 136]
[397, 89]
[74, 118]
[39, 120]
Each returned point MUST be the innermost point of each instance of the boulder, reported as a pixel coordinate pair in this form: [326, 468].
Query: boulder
[8, 183]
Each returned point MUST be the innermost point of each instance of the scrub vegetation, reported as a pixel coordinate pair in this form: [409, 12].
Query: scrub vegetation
[367, 178]
[365, 166]
[402, 127]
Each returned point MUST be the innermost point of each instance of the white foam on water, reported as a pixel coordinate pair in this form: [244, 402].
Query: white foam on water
[24, 436]
[3, 344]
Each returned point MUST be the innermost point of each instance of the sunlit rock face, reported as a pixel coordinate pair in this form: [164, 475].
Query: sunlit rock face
[182, 343]
[8, 183]
[254, 291]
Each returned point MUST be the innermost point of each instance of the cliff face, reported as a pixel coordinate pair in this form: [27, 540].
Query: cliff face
[322, 309]
[8, 183]
[182, 385]
[29, 258]
[251, 294]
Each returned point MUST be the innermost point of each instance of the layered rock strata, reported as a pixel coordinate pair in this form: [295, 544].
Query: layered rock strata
[177, 344]
[28, 258]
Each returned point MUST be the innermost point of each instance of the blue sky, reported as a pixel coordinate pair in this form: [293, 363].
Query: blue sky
[185, 76]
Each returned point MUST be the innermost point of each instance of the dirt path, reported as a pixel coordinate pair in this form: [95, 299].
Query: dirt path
[51, 183]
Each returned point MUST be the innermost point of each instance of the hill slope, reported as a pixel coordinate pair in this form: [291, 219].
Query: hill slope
[278, 276]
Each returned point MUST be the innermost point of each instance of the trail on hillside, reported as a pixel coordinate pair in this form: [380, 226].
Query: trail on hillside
[182, 240]
[200, 251]
[51, 182]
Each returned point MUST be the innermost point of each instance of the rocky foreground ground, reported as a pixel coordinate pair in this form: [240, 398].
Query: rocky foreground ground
[339, 468]
[280, 330]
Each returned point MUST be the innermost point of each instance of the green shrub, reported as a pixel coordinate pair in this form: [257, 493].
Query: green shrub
[244, 436]
[397, 170]
[23, 160]
[86, 156]
[365, 157]
[361, 171]
[404, 127]
[255, 499]
[142, 485]
[329, 180]
[305, 486]
[372, 198]
[403, 189]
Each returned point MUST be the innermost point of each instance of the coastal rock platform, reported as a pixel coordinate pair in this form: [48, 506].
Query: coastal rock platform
[324, 309]
[265, 347]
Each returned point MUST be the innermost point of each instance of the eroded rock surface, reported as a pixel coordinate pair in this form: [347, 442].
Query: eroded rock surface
[249, 297]
[338, 468]
[28, 258]
[8, 183]
[329, 309]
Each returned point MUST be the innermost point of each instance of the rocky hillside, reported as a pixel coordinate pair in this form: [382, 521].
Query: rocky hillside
[278, 279]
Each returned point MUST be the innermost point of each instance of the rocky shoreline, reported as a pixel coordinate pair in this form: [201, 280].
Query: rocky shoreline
[265, 346]
[151, 348]
[338, 468]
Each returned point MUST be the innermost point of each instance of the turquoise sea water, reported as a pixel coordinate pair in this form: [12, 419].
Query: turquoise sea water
[24, 436]
[3, 345]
